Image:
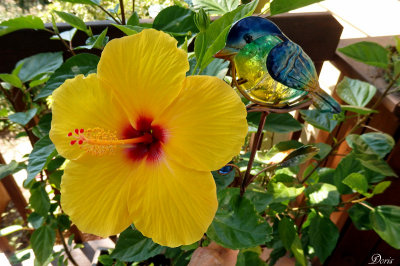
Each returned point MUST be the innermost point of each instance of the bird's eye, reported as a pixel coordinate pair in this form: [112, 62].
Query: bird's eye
[248, 38]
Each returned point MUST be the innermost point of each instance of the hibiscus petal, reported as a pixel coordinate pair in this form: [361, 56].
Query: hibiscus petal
[80, 103]
[171, 204]
[94, 193]
[146, 71]
[206, 124]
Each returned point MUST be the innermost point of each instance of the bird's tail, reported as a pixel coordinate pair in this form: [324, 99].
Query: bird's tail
[324, 102]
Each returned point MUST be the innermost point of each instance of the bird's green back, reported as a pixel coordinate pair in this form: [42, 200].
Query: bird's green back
[251, 70]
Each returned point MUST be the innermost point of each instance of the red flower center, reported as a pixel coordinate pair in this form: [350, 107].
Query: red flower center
[150, 151]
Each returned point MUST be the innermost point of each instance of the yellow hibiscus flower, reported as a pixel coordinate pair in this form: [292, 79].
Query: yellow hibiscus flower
[142, 139]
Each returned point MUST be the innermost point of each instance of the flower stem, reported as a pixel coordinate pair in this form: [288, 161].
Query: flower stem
[121, 5]
[66, 248]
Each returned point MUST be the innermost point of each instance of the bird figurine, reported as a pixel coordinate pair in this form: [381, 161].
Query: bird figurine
[271, 70]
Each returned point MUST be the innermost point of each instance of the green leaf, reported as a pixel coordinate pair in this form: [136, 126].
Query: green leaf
[357, 182]
[355, 92]
[298, 252]
[26, 22]
[85, 2]
[282, 6]
[287, 232]
[38, 157]
[359, 214]
[385, 221]
[38, 64]
[106, 260]
[12, 79]
[358, 109]
[375, 164]
[213, 39]
[217, 68]
[281, 192]
[347, 166]
[128, 29]
[379, 144]
[222, 181]
[133, 246]
[299, 156]
[323, 236]
[324, 150]
[133, 19]
[55, 179]
[236, 224]
[63, 222]
[36, 220]
[10, 229]
[216, 7]
[246, 258]
[79, 64]
[276, 149]
[74, 21]
[42, 241]
[96, 41]
[319, 120]
[260, 199]
[176, 19]
[8, 169]
[322, 193]
[281, 123]
[43, 127]
[381, 187]
[23, 118]
[39, 199]
[369, 53]
[65, 35]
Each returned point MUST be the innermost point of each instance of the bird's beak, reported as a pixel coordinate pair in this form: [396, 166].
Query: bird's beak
[226, 53]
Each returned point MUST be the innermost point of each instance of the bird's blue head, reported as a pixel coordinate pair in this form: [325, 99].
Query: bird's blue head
[246, 31]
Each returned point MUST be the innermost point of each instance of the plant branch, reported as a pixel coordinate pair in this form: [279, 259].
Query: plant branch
[237, 170]
[109, 14]
[66, 248]
[256, 143]
[121, 5]
[133, 6]
[356, 126]
[69, 49]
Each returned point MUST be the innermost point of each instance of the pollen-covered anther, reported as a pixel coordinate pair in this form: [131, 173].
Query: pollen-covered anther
[98, 141]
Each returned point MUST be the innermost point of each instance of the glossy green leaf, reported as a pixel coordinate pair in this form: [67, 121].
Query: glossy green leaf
[38, 157]
[39, 200]
[246, 258]
[217, 68]
[12, 79]
[213, 39]
[236, 224]
[287, 232]
[78, 64]
[381, 187]
[319, 120]
[281, 192]
[369, 53]
[265, 157]
[297, 249]
[282, 123]
[323, 235]
[26, 22]
[38, 64]
[357, 182]
[358, 109]
[36, 220]
[375, 164]
[133, 19]
[282, 6]
[260, 199]
[73, 20]
[65, 35]
[347, 166]
[376, 143]
[299, 156]
[355, 92]
[23, 118]
[63, 221]
[43, 127]
[8, 169]
[216, 7]
[222, 181]
[324, 194]
[359, 214]
[385, 221]
[42, 241]
[175, 19]
[133, 246]
[96, 41]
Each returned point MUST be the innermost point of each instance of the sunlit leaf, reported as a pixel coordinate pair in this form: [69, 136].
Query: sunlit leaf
[25, 22]
[319, 120]
[355, 92]
[376, 143]
[369, 53]
[385, 221]
[23, 118]
[42, 241]
[282, 6]
[216, 7]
